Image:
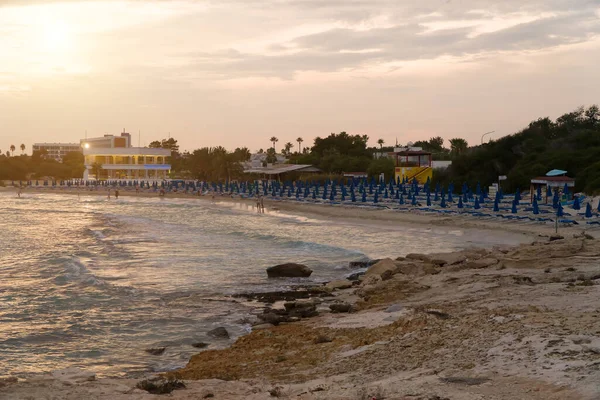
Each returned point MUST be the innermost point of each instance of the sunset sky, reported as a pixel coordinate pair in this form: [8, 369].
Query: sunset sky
[236, 72]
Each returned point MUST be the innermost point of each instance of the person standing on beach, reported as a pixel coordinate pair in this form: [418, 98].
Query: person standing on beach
[262, 204]
[117, 194]
[109, 194]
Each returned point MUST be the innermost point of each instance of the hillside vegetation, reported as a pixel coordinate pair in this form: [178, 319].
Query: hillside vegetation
[571, 143]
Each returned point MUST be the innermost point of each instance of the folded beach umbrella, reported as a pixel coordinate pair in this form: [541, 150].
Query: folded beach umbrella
[548, 191]
[450, 199]
[397, 195]
[476, 206]
[314, 195]
[443, 202]
[401, 200]
[576, 204]
[331, 196]
[482, 198]
[376, 197]
[325, 193]
[588, 210]
[460, 203]
[514, 207]
[555, 202]
[539, 193]
[478, 189]
[559, 211]
[428, 199]
[598, 208]
[414, 200]
[566, 189]
[536, 208]
[353, 197]
[364, 197]
[465, 197]
[496, 206]
[436, 197]
[385, 194]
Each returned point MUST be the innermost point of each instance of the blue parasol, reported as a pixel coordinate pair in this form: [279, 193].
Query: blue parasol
[588, 210]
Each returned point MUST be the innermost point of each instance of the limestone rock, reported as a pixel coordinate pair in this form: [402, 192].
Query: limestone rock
[340, 307]
[339, 284]
[289, 270]
[383, 268]
[420, 257]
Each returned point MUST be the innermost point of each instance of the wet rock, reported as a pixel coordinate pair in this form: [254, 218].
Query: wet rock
[156, 351]
[358, 264]
[219, 333]
[555, 237]
[285, 295]
[339, 284]
[340, 307]
[272, 318]
[448, 259]
[302, 309]
[386, 267]
[355, 276]
[417, 269]
[200, 345]
[289, 270]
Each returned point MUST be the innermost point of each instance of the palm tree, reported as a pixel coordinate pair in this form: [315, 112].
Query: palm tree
[12, 149]
[380, 142]
[288, 148]
[22, 148]
[299, 140]
[96, 168]
[274, 140]
[458, 146]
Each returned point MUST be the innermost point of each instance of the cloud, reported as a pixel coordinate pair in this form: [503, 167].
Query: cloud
[349, 48]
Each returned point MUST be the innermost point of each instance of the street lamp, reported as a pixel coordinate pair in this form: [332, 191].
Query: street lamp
[485, 134]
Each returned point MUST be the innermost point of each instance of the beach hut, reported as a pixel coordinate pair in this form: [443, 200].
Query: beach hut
[555, 181]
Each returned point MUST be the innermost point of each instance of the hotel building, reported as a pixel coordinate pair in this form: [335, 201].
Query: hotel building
[112, 157]
[57, 151]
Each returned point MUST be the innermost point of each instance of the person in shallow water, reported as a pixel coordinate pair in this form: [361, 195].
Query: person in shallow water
[116, 194]
[109, 194]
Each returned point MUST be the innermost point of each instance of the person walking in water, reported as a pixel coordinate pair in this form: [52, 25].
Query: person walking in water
[117, 194]
[109, 194]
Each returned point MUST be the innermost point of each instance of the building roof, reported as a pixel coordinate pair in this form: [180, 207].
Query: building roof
[282, 169]
[410, 153]
[127, 151]
[58, 144]
[554, 180]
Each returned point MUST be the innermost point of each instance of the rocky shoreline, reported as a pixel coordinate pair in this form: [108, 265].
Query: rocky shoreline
[501, 323]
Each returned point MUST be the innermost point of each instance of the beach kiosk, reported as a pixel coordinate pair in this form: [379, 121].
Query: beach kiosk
[412, 163]
[555, 180]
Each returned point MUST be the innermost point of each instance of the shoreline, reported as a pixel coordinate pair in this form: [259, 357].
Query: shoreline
[516, 322]
[348, 213]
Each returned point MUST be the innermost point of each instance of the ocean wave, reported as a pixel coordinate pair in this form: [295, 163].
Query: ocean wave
[77, 272]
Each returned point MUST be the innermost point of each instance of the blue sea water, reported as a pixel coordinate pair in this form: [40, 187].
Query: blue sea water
[92, 282]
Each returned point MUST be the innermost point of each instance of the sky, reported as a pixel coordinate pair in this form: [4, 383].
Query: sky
[237, 72]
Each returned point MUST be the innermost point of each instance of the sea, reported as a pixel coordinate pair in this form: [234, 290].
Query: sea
[92, 282]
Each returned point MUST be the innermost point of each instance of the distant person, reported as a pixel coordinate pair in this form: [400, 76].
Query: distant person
[116, 194]
[109, 194]
[19, 192]
[161, 193]
[262, 204]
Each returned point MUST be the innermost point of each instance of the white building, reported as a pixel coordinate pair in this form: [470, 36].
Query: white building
[112, 157]
[57, 150]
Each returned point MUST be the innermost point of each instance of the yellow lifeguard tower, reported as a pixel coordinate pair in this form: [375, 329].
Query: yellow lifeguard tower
[412, 164]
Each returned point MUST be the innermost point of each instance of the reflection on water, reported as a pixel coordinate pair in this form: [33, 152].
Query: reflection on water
[92, 283]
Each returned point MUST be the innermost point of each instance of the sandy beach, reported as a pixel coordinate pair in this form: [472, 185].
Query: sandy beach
[352, 214]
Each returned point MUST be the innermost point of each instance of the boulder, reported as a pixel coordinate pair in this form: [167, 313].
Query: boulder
[416, 268]
[219, 333]
[358, 264]
[420, 257]
[340, 284]
[200, 345]
[289, 270]
[385, 267]
[340, 307]
[157, 351]
[448, 259]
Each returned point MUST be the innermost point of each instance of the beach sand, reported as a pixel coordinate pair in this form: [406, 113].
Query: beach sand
[503, 323]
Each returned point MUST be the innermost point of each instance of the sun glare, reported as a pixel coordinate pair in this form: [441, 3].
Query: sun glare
[56, 37]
